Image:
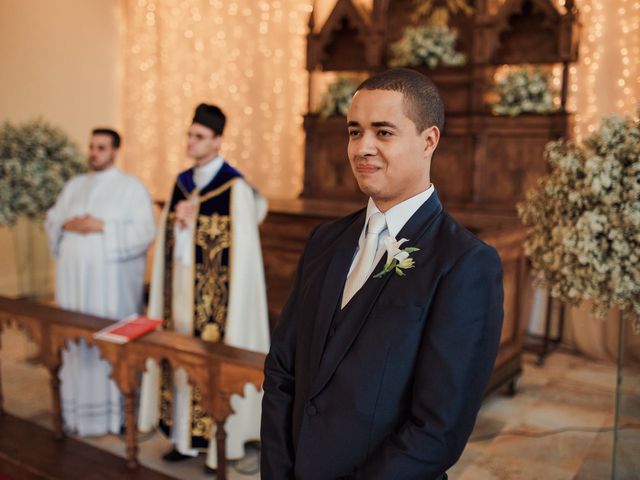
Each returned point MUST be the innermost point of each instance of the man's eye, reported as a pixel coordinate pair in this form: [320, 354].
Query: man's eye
[384, 133]
[354, 133]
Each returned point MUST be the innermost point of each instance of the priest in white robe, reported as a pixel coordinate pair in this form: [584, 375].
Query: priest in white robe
[207, 281]
[99, 230]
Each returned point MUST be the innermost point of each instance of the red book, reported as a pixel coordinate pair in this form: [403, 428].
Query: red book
[128, 329]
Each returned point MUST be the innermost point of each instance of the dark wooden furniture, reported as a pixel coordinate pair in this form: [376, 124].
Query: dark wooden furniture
[216, 369]
[483, 161]
[288, 224]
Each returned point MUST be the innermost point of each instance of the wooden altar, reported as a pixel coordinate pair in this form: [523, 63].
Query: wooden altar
[218, 370]
[483, 161]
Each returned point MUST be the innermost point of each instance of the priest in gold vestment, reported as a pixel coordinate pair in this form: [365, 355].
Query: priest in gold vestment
[207, 281]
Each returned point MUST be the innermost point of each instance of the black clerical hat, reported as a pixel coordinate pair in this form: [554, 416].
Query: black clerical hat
[210, 116]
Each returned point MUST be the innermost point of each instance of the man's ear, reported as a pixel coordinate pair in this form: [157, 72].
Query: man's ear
[431, 137]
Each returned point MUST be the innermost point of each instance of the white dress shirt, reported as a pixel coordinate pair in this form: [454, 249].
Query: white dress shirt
[396, 217]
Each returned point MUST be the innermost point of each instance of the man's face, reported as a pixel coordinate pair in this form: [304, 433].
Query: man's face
[389, 158]
[102, 154]
[202, 143]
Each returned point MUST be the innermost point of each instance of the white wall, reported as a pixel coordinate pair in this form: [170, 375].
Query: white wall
[59, 60]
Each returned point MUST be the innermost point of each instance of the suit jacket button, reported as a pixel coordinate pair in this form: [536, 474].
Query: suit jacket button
[311, 409]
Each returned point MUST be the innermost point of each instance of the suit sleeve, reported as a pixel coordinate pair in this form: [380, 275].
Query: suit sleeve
[454, 363]
[277, 452]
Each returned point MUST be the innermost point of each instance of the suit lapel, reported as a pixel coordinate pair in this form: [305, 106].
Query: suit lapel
[420, 221]
[332, 287]
[359, 308]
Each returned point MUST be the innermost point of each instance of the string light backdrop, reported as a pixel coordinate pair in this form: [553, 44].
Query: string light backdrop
[608, 75]
[248, 56]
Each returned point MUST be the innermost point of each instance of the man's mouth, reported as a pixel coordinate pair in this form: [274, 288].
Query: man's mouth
[366, 168]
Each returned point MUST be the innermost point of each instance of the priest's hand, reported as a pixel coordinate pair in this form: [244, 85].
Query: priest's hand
[84, 224]
[185, 213]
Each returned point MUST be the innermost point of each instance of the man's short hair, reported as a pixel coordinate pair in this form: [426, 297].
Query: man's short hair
[210, 116]
[115, 136]
[423, 104]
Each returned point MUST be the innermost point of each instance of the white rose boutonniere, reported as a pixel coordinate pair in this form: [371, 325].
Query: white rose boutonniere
[398, 259]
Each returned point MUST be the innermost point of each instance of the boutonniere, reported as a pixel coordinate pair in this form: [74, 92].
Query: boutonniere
[398, 259]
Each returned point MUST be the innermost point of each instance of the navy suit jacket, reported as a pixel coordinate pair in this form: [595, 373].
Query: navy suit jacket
[393, 393]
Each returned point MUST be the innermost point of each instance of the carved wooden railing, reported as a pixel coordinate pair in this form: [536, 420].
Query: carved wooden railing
[217, 370]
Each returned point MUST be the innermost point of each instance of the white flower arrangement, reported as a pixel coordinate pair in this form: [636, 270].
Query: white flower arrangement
[430, 45]
[36, 159]
[523, 91]
[398, 259]
[584, 219]
[337, 98]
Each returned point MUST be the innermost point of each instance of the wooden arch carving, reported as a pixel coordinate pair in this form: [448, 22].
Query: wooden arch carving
[31, 328]
[532, 31]
[346, 41]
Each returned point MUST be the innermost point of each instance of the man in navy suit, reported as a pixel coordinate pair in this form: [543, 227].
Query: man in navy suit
[379, 361]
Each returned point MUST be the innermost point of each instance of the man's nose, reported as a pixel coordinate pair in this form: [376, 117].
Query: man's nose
[367, 144]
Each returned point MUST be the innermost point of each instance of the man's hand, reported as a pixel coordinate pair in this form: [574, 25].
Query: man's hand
[185, 213]
[84, 224]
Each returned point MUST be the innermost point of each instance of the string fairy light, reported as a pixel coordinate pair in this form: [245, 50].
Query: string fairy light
[606, 79]
[248, 56]
[584, 76]
[628, 14]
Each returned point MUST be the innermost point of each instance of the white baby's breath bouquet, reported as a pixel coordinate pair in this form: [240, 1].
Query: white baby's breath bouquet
[337, 98]
[584, 219]
[36, 159]
[523, 91]
[429, 45]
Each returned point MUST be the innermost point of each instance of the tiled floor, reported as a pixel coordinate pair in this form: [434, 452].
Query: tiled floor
[513, 438]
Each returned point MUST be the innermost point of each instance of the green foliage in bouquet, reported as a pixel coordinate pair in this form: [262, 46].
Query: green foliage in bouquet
[523, 91]
[430, 45]
[584, 219]
[337, 98]
[36, 159]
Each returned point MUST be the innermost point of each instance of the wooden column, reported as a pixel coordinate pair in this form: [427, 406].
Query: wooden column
[131, 427]
[221, 449]
[57, 404]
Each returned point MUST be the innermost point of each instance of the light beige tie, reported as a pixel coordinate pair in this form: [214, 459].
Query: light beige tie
[362, 270]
